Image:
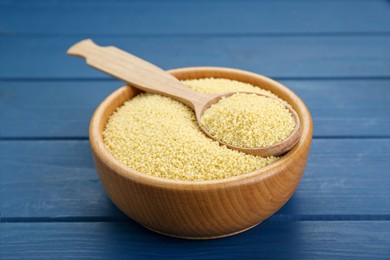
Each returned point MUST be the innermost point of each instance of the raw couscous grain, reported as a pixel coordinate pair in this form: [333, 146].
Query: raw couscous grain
[248, 120]
[159, 136]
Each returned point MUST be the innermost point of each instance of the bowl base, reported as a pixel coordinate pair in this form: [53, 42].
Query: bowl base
[205, 237]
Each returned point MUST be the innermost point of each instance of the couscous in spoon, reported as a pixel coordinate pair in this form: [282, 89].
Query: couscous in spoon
[150, 78]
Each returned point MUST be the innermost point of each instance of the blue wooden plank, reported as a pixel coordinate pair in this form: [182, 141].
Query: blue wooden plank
[50, 109]
[284, 56]
[344, 178]
[349, 108]
[270, 240]
[51, 180]
[58, 109]
[184, 17]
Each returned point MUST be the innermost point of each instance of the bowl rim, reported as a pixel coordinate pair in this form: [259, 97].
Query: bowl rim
[99, 149]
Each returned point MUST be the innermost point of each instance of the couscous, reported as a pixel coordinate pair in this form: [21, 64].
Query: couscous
[159, 136]
[248, 120]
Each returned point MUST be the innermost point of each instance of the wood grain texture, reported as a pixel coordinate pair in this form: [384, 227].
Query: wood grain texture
[284, 56]
[337, 107]
[272, 239]
[182, 17]
[49, 180]
[201, 209]
[24, 107]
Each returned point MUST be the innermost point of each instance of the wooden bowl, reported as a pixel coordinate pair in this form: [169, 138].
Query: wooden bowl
[201, 209]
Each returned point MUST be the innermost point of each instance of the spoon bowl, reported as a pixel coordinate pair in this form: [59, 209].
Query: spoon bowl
[150, 78]
[277, 149]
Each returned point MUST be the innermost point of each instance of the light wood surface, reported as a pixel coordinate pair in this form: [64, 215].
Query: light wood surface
[201, 209]
[150, 78]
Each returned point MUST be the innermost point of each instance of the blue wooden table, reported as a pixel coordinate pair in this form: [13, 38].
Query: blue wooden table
[334, 54]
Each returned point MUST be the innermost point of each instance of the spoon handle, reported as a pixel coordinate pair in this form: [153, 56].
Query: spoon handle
[136, 71]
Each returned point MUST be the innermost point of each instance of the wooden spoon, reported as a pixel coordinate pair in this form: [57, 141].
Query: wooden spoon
[150, 78]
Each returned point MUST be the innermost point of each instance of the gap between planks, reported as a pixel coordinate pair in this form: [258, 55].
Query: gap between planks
[275, 218]
[196, 35]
